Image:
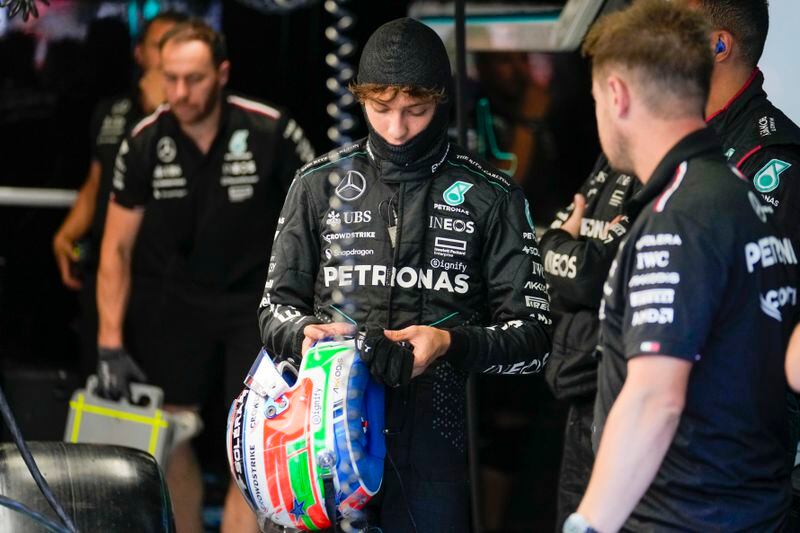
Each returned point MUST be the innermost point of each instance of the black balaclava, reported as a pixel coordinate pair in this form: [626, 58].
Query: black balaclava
[407, 52]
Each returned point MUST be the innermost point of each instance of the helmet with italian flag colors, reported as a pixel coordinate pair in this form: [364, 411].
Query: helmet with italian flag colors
[302, 451]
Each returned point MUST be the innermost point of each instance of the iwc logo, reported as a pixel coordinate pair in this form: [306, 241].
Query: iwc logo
[768, 178]
[238, 142]
[352, 186]
[454, 194]
[166, 150]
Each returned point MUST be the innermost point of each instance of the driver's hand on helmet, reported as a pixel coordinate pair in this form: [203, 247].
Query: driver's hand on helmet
[317, 332]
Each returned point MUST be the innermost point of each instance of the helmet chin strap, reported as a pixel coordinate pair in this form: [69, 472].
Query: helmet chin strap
[265, 379]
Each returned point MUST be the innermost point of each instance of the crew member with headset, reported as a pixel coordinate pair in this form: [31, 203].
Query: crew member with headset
[690, 420]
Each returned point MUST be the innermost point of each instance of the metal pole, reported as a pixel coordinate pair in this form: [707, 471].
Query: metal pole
[461, 124]
[461, 72]
[31, 197]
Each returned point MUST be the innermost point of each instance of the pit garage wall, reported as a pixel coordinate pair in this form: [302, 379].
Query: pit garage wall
[780, 62]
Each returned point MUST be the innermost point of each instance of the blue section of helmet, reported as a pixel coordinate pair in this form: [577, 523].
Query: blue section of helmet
[360, 443]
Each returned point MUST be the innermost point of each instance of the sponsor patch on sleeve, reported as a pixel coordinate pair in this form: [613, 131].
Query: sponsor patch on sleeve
[768, 178]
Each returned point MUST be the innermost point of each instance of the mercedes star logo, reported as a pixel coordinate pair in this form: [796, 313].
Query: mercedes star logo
[166, 149]
[352, 186]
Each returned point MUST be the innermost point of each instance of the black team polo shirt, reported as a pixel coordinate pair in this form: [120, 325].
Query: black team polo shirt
[705, 276]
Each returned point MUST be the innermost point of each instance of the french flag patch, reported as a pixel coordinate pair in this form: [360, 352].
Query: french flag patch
[650, 347]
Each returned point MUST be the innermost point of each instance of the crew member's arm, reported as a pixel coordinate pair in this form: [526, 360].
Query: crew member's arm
[130, 192]
[288, 303]
[638, 432]
[518, 339]
[75, 226]
[114, 275]
[793, 360]
[775, 173]
[576, 268]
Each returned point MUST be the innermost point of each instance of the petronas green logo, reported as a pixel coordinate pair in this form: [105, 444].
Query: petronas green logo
[454, 194]
[768, 178]
[528, 215]
[730, 153]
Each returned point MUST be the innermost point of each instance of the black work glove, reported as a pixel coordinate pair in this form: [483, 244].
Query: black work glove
[116, 369]
[389, 363]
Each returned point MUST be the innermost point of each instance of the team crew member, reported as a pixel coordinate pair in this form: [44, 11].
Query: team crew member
[112, 120]
[210, 171]
[578, 250]
[697, 308]
[762, 142]
[407, 232]
[756, 136]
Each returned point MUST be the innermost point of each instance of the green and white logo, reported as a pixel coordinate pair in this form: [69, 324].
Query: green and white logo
[528, 214]
[768, 178]
[454, 194]
[730, 153]
[238, 142]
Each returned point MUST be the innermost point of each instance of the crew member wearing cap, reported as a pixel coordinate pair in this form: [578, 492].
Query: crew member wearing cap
[425, 250]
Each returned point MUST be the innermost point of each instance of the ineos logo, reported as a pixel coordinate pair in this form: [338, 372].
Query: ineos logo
[352, 186]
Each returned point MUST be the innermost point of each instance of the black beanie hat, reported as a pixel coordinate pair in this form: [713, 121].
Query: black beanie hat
[405, 52]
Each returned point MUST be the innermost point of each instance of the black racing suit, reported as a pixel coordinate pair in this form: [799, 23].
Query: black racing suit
[764, 144]
[576, 270]
[447, 242]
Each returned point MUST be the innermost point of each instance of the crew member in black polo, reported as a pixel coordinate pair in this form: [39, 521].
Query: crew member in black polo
[76, 244]
[698, 306]
[762, 142]
[210, 170]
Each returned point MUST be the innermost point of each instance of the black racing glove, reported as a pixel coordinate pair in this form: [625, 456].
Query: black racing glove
[116, 369]
[389, 363]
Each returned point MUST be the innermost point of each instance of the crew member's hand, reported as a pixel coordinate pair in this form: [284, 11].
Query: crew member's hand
[116, 369]
[429, 344]
[389, 363]
[573, 224]
[317, 332]
[151, 85]
[64, 250]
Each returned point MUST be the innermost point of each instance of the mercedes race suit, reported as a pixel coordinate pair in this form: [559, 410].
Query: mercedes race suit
[447, 242]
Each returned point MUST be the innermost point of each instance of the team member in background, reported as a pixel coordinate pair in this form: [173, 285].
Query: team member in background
[207, 172]
[112, 120]
[407, 232]
[762, 142]
[697, 310]
[578, 250]
[756, 136]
